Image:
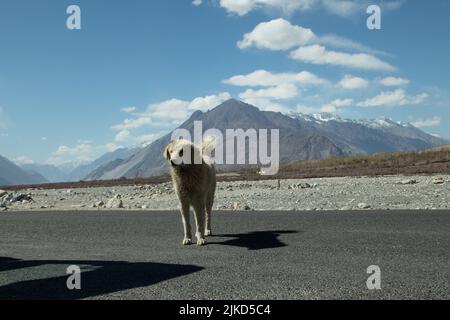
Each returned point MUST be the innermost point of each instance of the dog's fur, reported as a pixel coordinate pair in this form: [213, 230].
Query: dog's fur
[194, 184]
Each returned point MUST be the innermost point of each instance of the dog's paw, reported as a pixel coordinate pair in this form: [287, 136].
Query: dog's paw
[201, 241]
[208, 233]
[187, 241]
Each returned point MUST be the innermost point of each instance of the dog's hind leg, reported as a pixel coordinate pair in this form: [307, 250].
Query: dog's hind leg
[186, 223]
[199, 209]
[209, 205]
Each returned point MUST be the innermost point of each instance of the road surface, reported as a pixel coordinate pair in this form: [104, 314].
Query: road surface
[253, 255]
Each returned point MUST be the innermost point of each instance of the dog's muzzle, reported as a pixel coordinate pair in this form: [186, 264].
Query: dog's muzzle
[174, 164]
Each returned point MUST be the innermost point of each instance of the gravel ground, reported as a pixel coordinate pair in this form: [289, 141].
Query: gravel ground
[349, 193]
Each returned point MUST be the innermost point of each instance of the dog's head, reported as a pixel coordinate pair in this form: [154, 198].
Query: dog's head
[182, 153]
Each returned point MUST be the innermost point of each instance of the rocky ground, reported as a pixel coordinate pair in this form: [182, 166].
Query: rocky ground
[348, 193]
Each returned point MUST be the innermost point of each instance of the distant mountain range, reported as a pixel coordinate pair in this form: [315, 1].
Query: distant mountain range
[53, 173]
[302, 137]
[81, 172]
[10, 174]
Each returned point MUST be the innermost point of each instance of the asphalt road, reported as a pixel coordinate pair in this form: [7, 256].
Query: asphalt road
[255, 255]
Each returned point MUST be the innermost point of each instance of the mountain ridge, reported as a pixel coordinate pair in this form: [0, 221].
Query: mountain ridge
[300, 138]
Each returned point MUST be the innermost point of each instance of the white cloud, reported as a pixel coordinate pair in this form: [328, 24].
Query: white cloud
[342, 102]
[393, 98]
[168, 112]
[129, 124]
[242, 7]
[44, 138]
[279, 92]
[165, 114]
[112, 146]
[352, 83]
[280, 34]
[128, 109]
[197, 2]
[123, 135]
[263, 78]
[175, 110]
[306, 109]
[345, 43]
[335, 104]
[418, 99]
[277, 34]
[208, 102]
[266, 104]
[79, 154]
[65, 150]
[422, 123]
[317, 54]
[394, 82]
[343, 8]
[331, 107]
[23, 160]
[126, 137]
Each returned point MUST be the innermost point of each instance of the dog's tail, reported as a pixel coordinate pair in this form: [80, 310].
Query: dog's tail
[208, 145]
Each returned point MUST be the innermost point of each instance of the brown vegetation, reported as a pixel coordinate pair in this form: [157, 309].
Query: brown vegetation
[434, 161]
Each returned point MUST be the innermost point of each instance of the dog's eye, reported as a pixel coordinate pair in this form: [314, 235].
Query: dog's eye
[181, 153]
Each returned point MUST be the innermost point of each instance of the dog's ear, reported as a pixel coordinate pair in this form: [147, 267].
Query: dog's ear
[167, 150]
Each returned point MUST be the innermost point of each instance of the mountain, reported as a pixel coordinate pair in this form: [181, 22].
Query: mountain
[302, 137]
[50, 172]
[11, 174]
[66, 173]
[80, 172]
[104, 168]
[370, 136]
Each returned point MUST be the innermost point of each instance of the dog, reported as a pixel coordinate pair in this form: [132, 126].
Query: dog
[194, 180]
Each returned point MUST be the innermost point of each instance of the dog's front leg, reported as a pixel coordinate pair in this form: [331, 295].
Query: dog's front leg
[186, 224]
[199, 209]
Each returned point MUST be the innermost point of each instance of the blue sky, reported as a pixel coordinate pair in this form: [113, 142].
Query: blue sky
[138, 68]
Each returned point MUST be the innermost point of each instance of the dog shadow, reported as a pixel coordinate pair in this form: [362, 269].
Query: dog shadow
[256, 240]
[97, 278]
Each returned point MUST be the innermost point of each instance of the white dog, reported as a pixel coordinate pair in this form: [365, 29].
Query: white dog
[194, 180]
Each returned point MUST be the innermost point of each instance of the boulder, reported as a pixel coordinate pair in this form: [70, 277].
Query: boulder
[363, 205]
[115, 202]
[408, 181]
[99, 204]
[21, 197]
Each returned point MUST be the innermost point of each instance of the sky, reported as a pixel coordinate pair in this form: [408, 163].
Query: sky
[136, 69]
